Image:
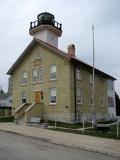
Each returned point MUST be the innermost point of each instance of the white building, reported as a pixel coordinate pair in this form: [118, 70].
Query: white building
[111, 99]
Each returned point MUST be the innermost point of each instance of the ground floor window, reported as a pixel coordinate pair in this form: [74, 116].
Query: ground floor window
[79, 96]
[79, 116]
[102, 100]
[52, 95]
[23, 99]
[91, 100]
[110, 101]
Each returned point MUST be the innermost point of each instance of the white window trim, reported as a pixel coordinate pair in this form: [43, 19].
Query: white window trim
[50, 96]
[23, 78]
[54, 72]
[79, 95]
[41, 74]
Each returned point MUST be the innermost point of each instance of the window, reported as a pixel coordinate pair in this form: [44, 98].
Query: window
[41, 75]
[91, 99]
[91, 77]
[23, 97]
[110, 101]
[53, 72]
[110, 85]
[102, 100]
[79, 116]
[52, 95]
[102, 115]
[34, 76]
[79, 96]
[101, 79]
[79, 73]
[38, 54]
[24, 78]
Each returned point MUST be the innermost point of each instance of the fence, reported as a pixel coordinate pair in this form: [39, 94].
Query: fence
[84, 120]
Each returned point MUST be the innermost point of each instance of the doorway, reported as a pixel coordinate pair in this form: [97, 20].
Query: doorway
[37, 96]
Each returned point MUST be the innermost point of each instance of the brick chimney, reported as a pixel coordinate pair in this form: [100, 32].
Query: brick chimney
[71, 49]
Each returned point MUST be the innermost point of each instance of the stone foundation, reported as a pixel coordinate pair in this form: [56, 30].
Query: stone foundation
[70, 117]
[64, 117]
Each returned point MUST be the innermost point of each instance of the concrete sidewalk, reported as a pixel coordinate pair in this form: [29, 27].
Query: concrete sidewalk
[96, 144]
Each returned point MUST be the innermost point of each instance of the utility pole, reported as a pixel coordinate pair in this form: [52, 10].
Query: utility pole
[93, 89]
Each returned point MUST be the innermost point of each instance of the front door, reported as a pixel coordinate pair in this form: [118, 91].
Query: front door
[37, 96]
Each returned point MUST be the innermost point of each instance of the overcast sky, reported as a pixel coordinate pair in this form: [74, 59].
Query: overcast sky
[77, 18]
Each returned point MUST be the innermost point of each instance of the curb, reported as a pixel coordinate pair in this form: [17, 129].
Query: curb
[62, 144]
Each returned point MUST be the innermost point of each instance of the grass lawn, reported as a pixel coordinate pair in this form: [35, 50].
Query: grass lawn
[7, 119]
[91, 133]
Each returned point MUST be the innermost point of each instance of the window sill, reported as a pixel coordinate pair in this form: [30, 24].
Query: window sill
[34, 82]
[51, 80]
[41, 82]
[101, 82]
[52, 104]
[79, 79]
[91, 83]
[79, 104]
[24, 84]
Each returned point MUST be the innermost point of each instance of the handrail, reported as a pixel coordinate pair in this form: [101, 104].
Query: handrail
[47, 21]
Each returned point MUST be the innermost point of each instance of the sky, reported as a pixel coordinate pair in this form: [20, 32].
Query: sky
[77, 18]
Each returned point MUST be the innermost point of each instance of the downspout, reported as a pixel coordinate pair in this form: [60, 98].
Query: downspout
[75, 90]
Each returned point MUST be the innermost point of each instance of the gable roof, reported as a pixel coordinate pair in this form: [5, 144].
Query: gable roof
[35, 41]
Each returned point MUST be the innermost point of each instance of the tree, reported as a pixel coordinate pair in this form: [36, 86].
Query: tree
[117, 104]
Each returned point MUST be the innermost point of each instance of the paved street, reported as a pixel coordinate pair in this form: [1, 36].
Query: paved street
[15, 147]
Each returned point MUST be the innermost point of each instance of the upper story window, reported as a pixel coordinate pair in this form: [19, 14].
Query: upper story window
[101, 79]
[79, 73]
[38, 54]
[102, 100]
[52, 95]
[110, 101]
[53, 72]
[91, 77]
[110, 84]
[24, 78]
[23, 97]
[40, 74]
[79, 96]
[34, 76]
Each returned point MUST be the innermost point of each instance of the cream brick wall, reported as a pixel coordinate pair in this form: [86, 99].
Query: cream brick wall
[64, 85]
[84, 84]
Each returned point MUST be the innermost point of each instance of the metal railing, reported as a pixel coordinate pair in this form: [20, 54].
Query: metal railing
[45, 22]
